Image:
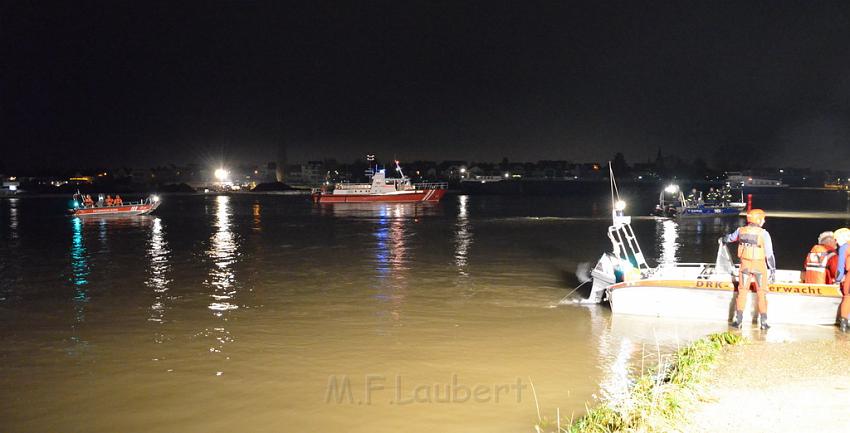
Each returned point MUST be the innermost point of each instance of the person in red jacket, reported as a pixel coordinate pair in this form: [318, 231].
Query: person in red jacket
[821, 263]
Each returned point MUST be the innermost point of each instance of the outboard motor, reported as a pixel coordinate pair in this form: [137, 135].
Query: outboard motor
[603, 274]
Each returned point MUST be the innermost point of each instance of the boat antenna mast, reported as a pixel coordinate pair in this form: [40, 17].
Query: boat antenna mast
[370, 159]
[398, 169]
[623, 241]
[617, 206]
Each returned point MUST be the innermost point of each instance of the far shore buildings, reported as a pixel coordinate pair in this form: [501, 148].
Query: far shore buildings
[316, 172]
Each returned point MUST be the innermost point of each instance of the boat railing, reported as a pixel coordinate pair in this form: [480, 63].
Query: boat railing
[431, 185]
[349, 185]
[704, 270]
[142, 202]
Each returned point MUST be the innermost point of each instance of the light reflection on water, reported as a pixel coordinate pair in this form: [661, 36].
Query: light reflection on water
[667, 234]
[256, 213]
[8, 265]
[79, 262]
[223, 251]
[13, 219]
[391, 255]
[80, 271]
[158, 256]
[463, 236]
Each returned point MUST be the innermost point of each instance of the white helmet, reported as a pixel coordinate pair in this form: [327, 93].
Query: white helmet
[842, 235]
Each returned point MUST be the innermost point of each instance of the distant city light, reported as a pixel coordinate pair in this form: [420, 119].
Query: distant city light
[462, 170]
[221, 174]
[507, 175]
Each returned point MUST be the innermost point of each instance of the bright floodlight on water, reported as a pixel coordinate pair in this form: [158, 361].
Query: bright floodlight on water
[507, 175]
[221, 174]
[462, 170]
[154, 198]
[672, 188]
[620, 205]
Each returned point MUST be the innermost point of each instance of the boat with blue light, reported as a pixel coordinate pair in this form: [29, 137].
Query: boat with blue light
[672, 203]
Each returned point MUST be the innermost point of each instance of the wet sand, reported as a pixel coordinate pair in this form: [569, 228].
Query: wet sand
[778, 387]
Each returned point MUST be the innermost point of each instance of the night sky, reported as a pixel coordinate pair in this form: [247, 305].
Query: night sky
[138, 83]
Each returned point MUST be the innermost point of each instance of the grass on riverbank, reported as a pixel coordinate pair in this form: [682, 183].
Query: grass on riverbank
[655, 401]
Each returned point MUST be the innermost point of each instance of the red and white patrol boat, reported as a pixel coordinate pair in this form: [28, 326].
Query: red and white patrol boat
[382, 189]
[141, 207]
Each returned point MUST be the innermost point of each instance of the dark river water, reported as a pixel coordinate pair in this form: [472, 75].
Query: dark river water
[264, 313]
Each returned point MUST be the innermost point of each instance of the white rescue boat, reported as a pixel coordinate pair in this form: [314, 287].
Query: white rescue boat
[704, 291]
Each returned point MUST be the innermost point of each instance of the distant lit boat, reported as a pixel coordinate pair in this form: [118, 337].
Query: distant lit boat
[673, 204]
[382, 189]
[749, 181]
[697, 290]
[838, 185]
[141, 207]
[485, 179]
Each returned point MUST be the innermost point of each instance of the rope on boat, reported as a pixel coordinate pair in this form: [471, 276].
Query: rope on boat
[573, 291]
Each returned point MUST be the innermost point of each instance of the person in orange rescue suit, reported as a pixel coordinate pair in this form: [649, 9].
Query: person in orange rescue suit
[822, 261]
[842, 237]
[109, 200]
[117, 200]
[87, 201]
[755, 249]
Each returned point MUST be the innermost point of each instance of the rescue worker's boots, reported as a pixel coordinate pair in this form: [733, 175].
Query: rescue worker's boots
[844, 325]
[738, 321]
[763, 319]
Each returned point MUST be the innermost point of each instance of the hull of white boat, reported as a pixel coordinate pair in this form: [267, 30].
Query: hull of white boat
[795, 303]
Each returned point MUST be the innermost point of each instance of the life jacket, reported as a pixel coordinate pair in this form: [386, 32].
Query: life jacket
[816, 264]
[751, 243]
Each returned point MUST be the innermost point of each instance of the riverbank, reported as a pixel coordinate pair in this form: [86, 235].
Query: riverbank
[777, 387]
[712, 387]
[657, 400]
